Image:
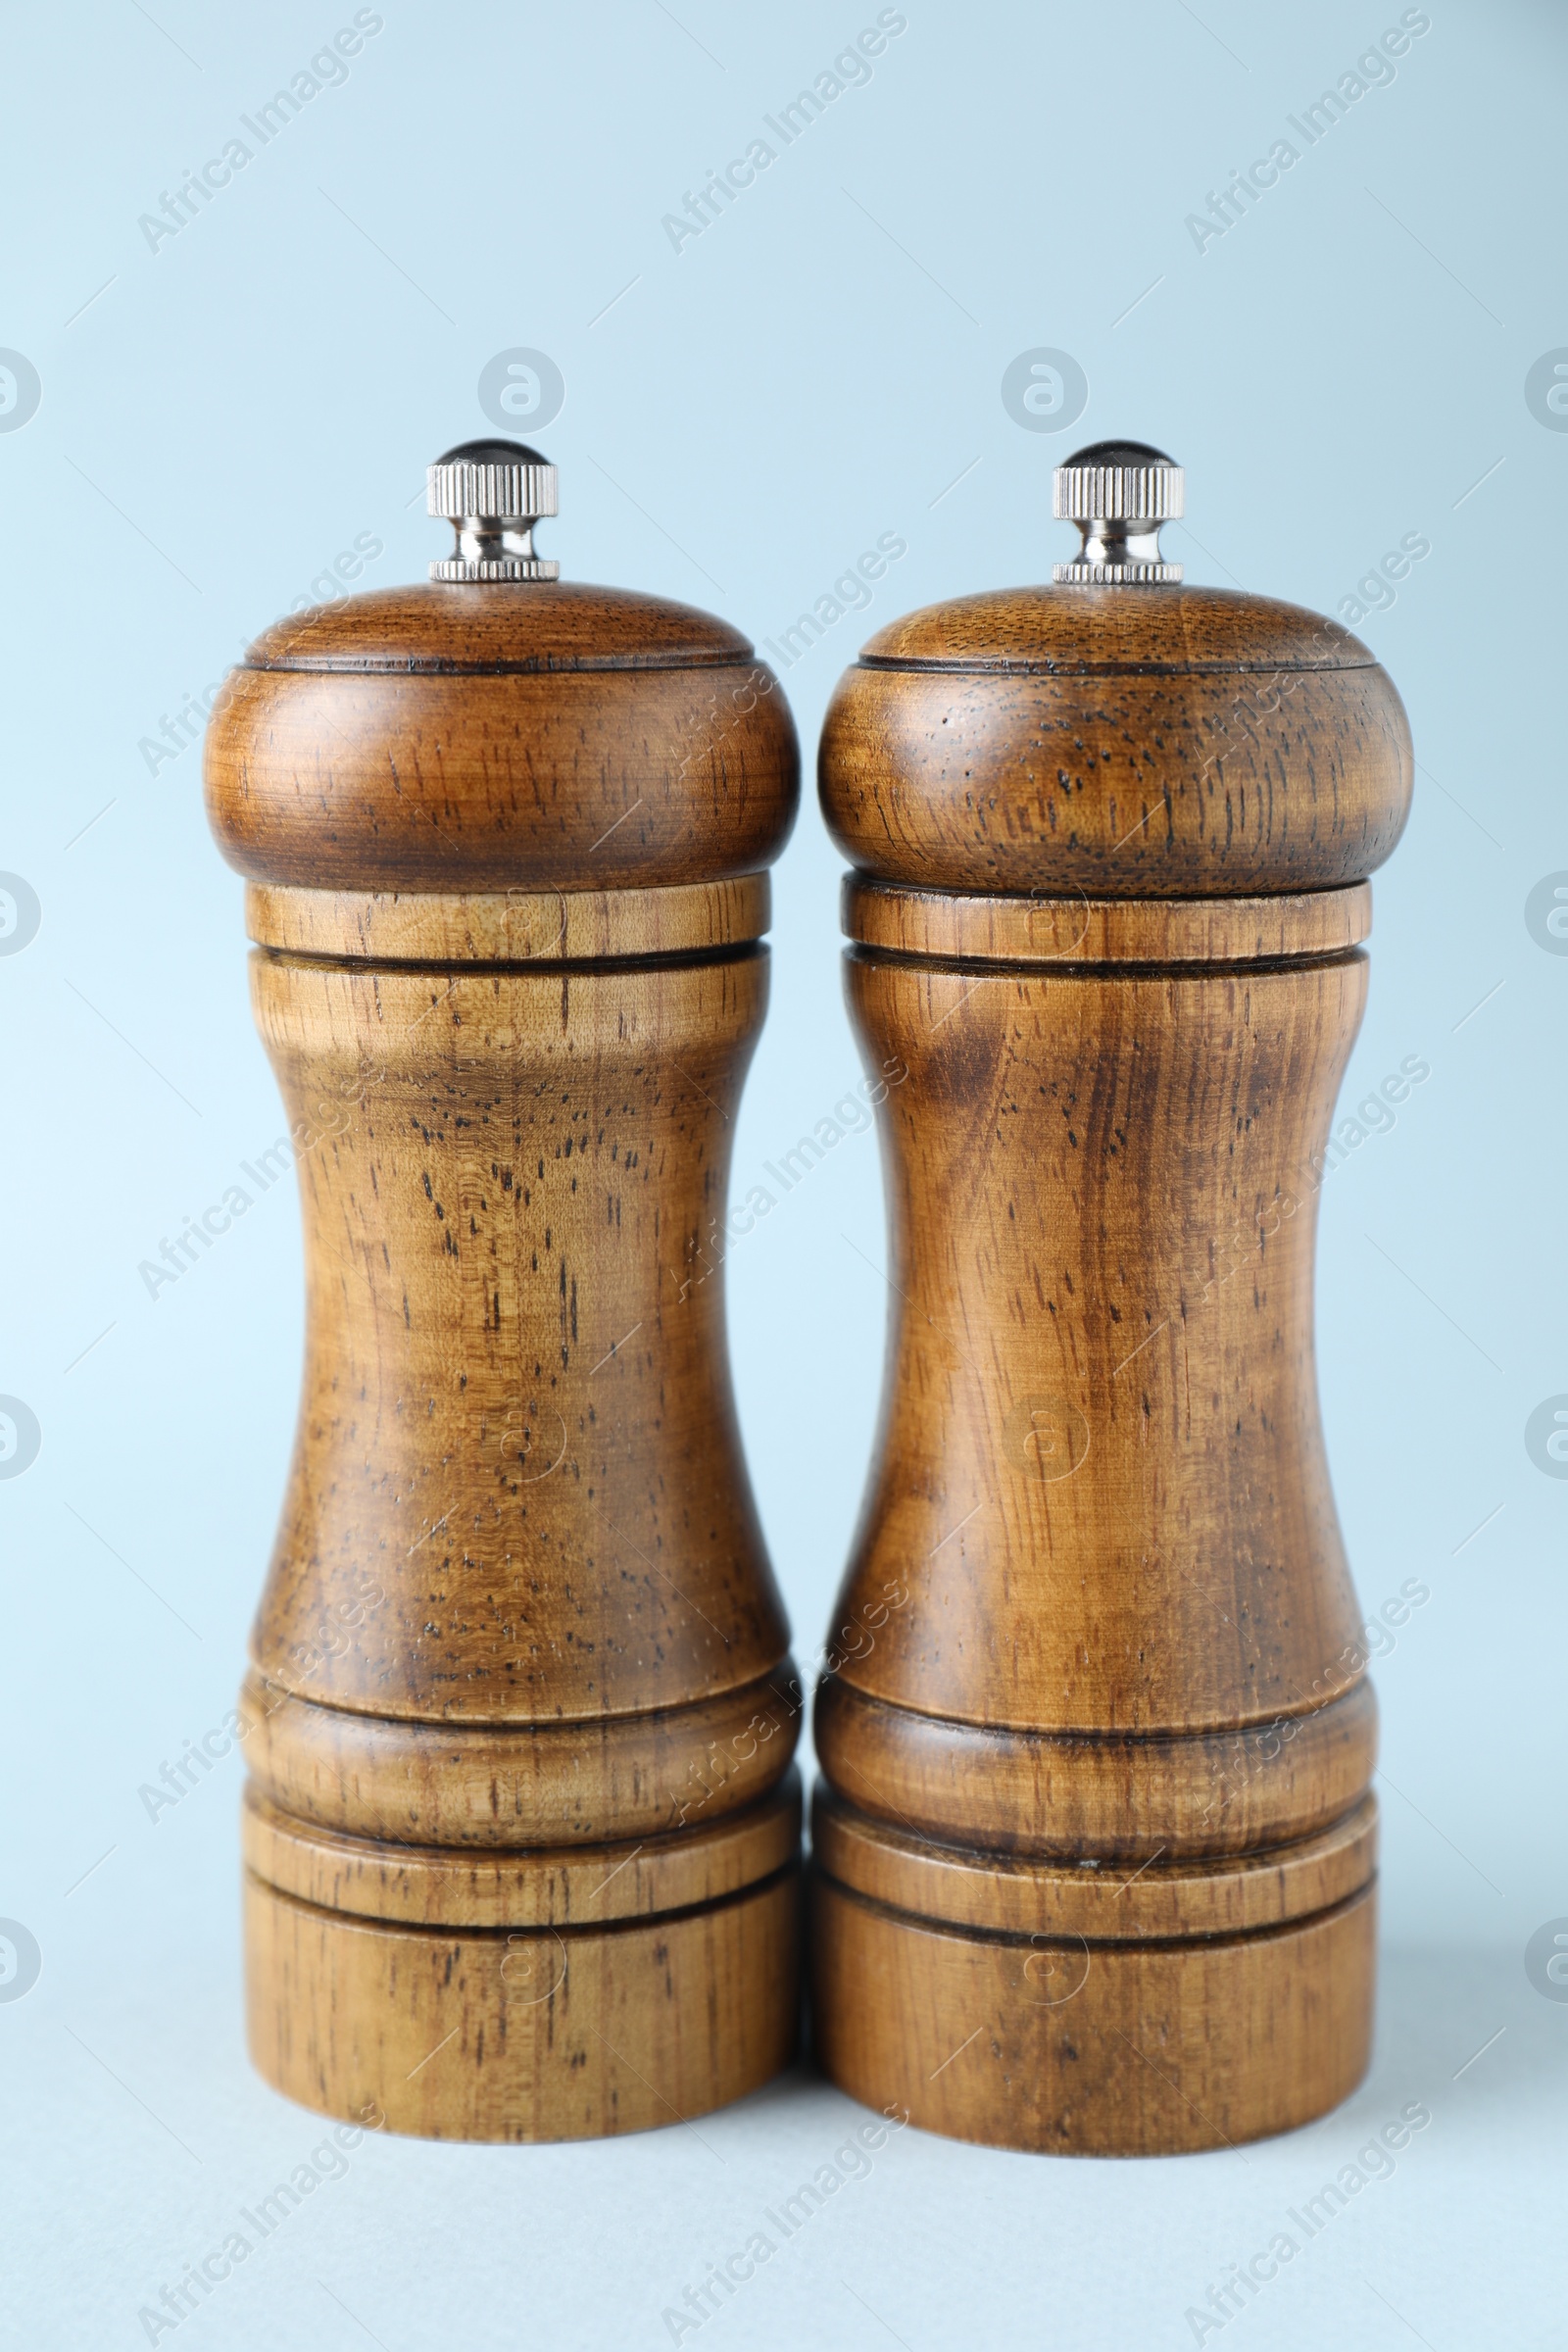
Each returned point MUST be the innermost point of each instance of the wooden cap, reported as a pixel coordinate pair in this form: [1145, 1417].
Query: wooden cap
[1158, 741]
[532, 735]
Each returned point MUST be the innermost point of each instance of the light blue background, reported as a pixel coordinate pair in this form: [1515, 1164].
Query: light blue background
[219, 420]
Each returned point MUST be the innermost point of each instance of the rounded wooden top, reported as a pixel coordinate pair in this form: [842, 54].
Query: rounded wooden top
[532, 735]
[1078, 631]
[433, 628]
[1129, 742]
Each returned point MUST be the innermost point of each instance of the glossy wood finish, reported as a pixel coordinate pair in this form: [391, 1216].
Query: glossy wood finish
[1129, 2048]
[1096, 1845]
[488, 1786]
[526, 2034]
[551, 628]
[1112, 1799]
[968, 927]
[1091, 739]
[511, 1886]
[1028, 1895]
[448, 740]
[519, 1692]
[510, 926]
[1102, 1438]
[516, 1411]
[1087, 632]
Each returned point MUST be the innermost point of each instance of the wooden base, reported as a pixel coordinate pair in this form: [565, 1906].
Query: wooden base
[1051, 2007]
[516, 1995]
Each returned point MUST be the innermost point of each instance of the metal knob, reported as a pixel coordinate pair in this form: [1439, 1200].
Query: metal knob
[1118, 493]
[493, 491]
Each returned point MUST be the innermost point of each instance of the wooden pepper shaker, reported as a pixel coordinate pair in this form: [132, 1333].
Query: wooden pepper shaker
[521, 1827]
[1096, 1844]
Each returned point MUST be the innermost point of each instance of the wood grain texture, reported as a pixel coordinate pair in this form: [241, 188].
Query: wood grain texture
[469, 739]
[516, 1419]
[982, 927]
[512, 1887]
[1101, 1441]
[583, 781]
[524, 2033]
[1112, 848]
[1115, 1798]
[1139, 751]
[522, 1835]
[1072, 2048]
[505, 1784]
[1084, 632]
[547, 628]
[510, 926]
[1025, 1894]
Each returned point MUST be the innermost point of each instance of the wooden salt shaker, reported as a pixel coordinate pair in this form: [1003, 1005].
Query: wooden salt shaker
[1096, 1842]
[521, 1828]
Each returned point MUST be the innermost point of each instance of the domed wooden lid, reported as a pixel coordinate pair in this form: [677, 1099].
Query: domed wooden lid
[1081, 631]
[1149, 739]
[498, 629]
[500, 732]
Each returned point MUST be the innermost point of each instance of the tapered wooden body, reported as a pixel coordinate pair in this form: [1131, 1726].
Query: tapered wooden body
[521, 1828]
[1095, 1845]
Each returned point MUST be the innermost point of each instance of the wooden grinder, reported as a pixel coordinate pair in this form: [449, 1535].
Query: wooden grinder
[521, 1828]
[1096, 1845]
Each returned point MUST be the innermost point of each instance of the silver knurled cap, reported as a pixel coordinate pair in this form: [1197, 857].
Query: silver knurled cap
[482, 487]
[1118, 493]
[494, 492]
